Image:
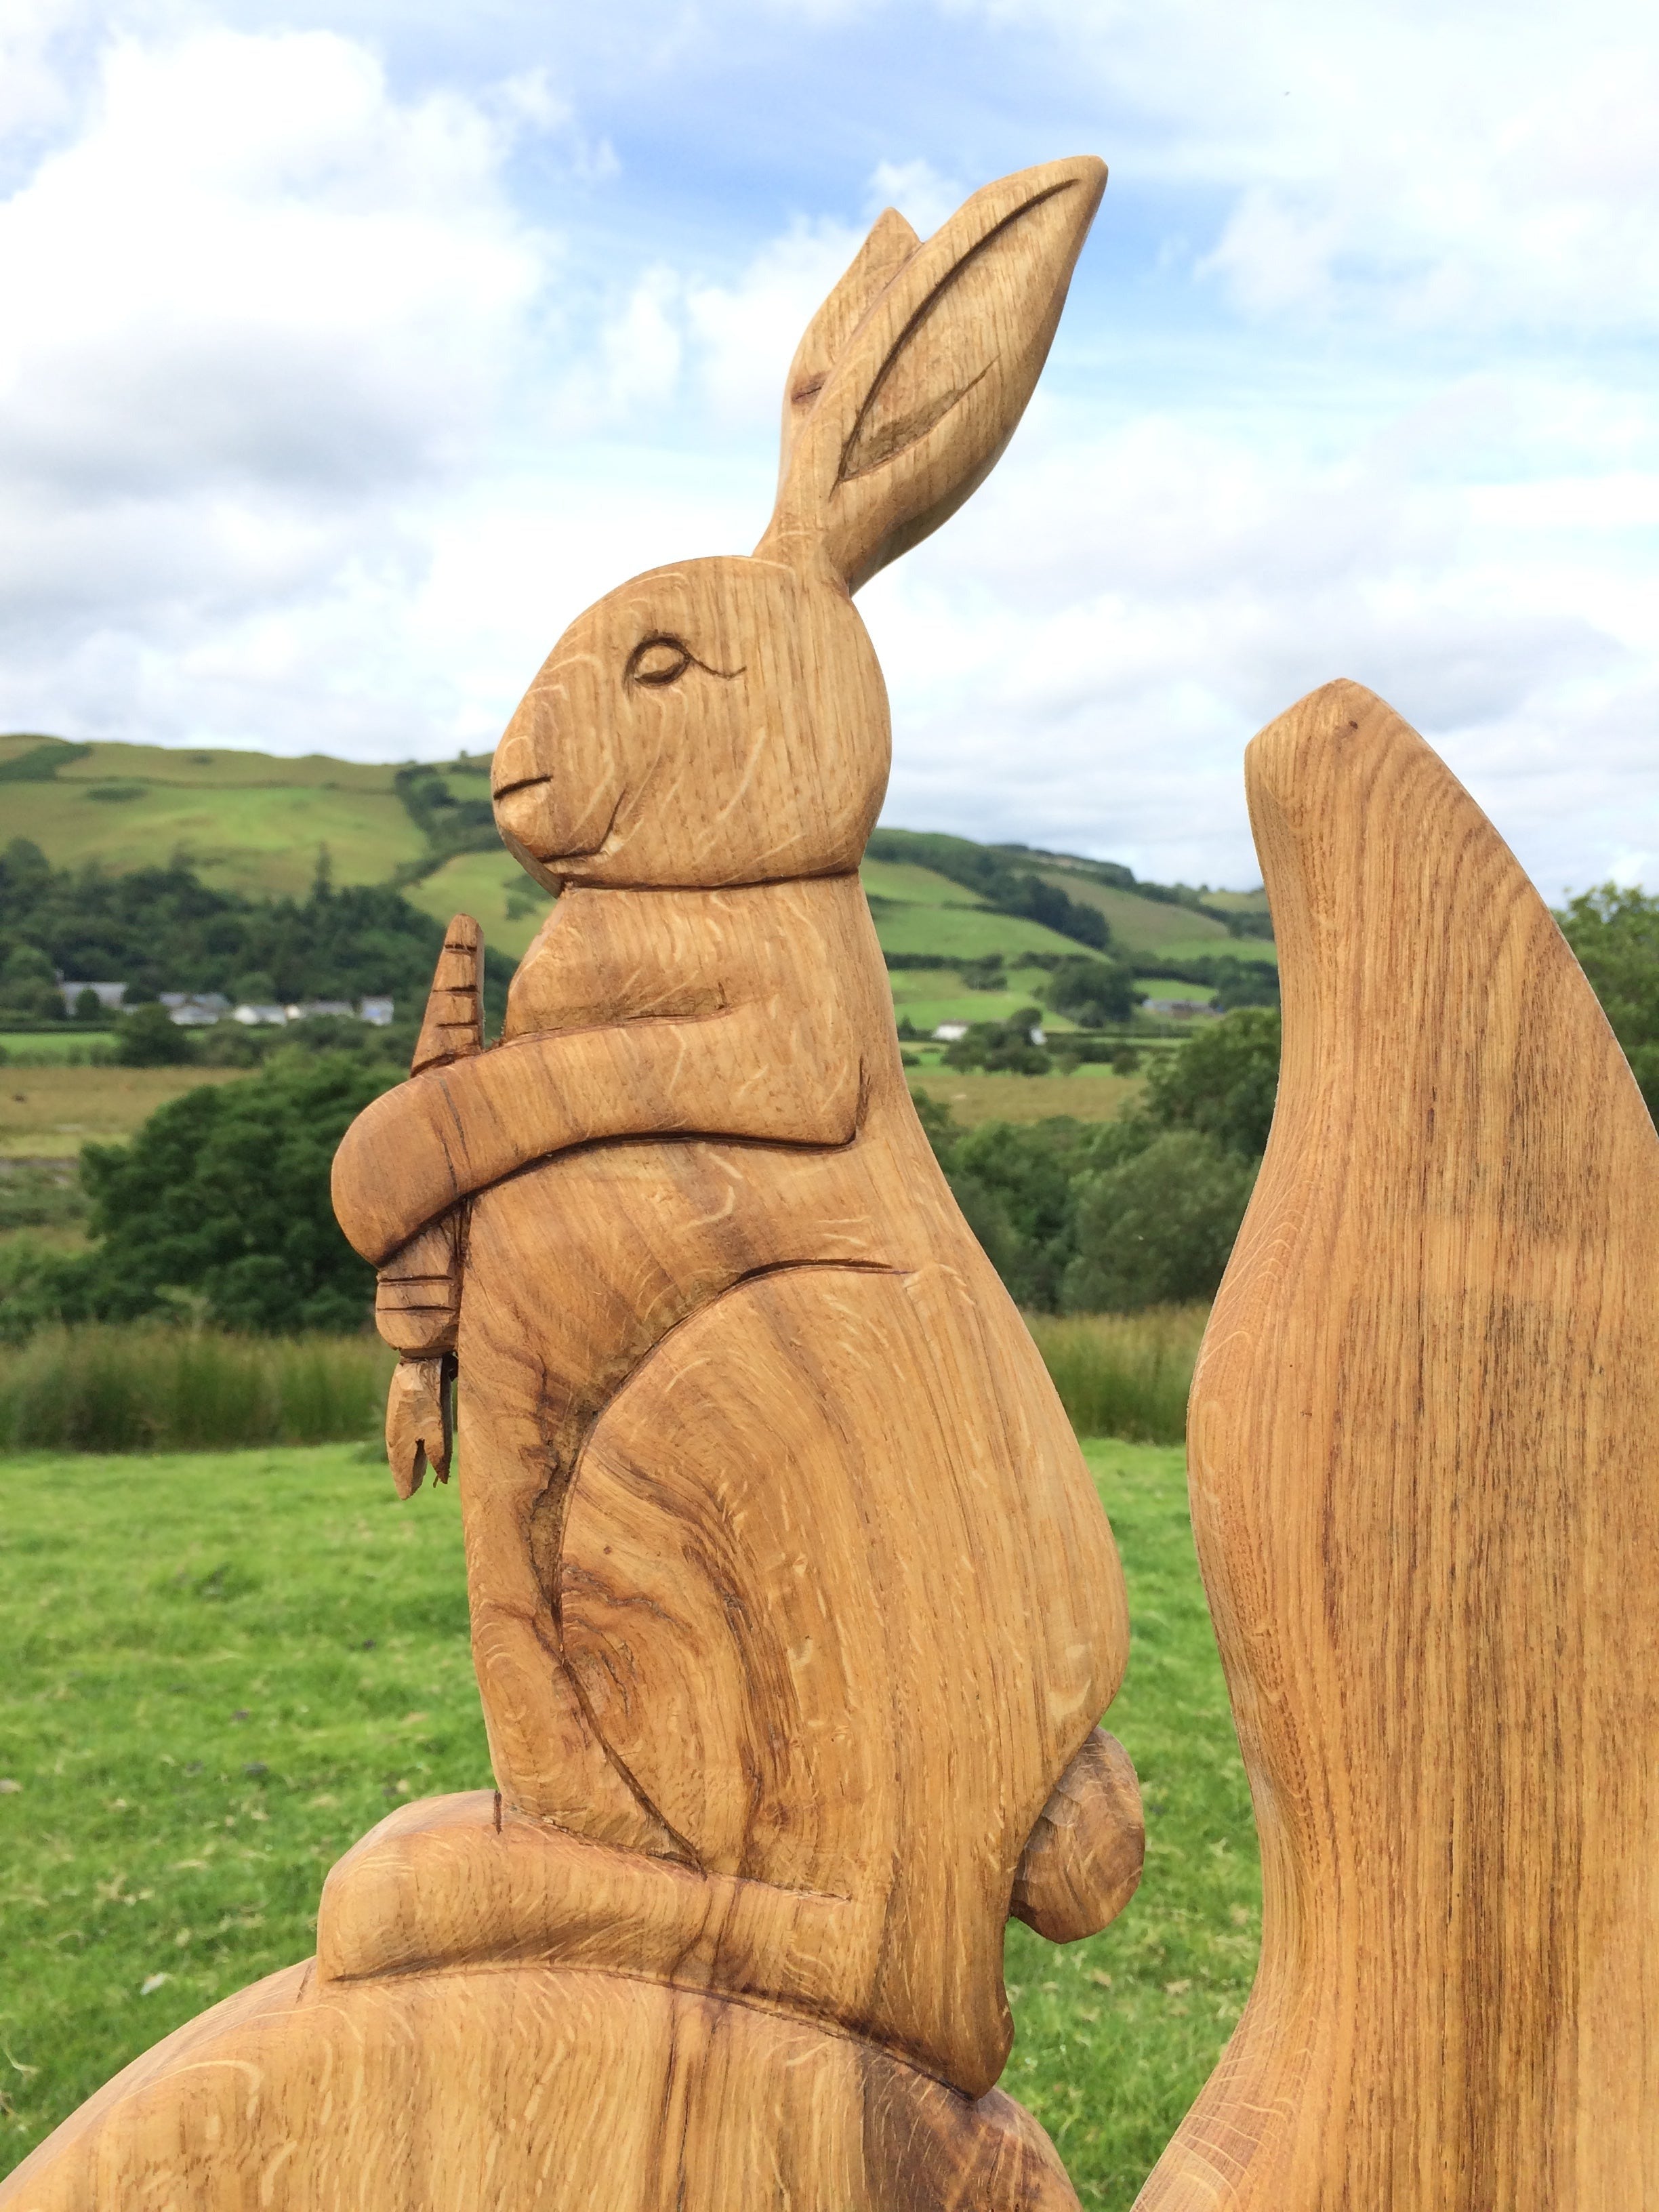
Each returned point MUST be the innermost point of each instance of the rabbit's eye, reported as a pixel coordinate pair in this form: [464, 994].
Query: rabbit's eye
[657, 660]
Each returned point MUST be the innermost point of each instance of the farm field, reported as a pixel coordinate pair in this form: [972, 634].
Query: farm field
[47, 1113]
[69, 1047]
[225, 1666]
[931, 995]
[1094, 1093]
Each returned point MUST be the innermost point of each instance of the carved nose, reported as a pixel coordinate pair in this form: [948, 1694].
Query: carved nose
[527, 752]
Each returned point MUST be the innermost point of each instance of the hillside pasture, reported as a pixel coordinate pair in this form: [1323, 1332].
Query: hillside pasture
[507, 906]
[1150, 928]
[243, 822]
[965, 932]
[224, 1668]
[931, 995]
[906, 884]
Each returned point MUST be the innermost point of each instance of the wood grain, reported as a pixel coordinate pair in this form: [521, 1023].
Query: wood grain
[549, 2088]
[1423, 1468]
[794, 1607]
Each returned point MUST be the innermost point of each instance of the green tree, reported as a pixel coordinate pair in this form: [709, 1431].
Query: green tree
[1615, 934]
[1002, 1048]
[1093, 992]
[1223, 1082]
[1156, 1229]
[29, 984]
[223, 1195]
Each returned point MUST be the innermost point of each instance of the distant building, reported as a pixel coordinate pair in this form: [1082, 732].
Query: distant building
[377, 1011]
[342, 1010]
[108, 995]
[260, 1017]
[1179, 1010]
[196, 1009]
[951, 1032]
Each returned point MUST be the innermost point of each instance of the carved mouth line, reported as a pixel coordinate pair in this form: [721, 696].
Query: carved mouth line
[575, 853]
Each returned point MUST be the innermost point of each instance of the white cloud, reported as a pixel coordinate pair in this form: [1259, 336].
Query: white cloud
[1083, 654]
[921, 194]
[255, 261]
[1440, 166]
[251, 306]
[746, 333]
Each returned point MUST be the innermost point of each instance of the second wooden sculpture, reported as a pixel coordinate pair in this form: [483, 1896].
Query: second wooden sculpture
[1422, 1463]
[793, 1609]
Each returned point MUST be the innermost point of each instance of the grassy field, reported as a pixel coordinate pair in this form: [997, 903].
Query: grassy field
[245, 821]
[224, 1668]
[964, 933]
[1155, 928]
[1092, 1094]
[931, 995]
[69, 1047]
[494, 889]
[47, 1113]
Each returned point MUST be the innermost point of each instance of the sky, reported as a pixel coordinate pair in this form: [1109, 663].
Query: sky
[348, 351]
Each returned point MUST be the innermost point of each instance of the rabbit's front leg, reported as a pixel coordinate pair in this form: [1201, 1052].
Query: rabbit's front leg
[744, 1074]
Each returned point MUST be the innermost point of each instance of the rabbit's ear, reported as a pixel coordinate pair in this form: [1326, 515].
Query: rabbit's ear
[919, 401]
[883, 254]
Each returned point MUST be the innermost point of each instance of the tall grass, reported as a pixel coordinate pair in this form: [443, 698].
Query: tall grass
[150, 1388]
[153, 1388]
[1123, 1374]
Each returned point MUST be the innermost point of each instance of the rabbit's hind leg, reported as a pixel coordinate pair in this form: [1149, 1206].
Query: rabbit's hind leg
[528, 2086]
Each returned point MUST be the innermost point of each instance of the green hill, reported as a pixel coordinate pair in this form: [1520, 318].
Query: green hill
[253, 825]
[242, 822]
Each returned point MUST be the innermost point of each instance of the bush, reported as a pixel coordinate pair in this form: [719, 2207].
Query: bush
[1002, 1048]
[1156, 1230]
[155, 1389]
[40, 1284]
[149, 1037]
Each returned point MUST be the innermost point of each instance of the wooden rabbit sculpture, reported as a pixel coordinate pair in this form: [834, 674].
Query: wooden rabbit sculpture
[794, 1608]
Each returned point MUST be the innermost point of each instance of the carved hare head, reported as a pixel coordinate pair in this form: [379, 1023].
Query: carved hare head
[724, 721]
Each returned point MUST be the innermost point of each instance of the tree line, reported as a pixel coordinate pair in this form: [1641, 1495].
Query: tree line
[163, 929]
